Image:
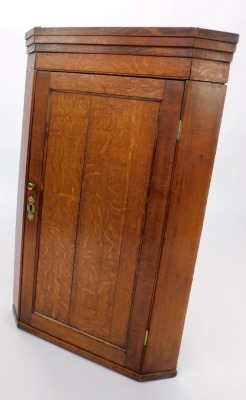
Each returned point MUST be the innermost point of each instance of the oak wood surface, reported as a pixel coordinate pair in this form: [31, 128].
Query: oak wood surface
[110, 85]
[119, 195]
[185, 215]
[68, 124]
[115, 64]
[34, 174]
[214, 45]
[156, 217]
[181, 53]
[30, 78]
[138, 31]
[93, 357]
[97, 49]
[212, 55]
[95, 170]
[114, 189]
[211, 71]
[171, 52]
[115, 40]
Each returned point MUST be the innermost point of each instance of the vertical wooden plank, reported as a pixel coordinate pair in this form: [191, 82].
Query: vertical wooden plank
[62, 182]
[30, 76]
[115, 182]
[34, 174]
[145, 131]
[201, 122]
[156, 214]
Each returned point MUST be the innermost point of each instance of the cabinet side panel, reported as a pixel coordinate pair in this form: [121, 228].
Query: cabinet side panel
[22, 177]
[201, 122]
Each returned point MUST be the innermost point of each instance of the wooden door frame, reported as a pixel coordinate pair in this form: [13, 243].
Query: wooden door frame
[149, 260]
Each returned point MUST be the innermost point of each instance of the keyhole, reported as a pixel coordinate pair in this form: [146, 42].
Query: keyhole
[30, 208]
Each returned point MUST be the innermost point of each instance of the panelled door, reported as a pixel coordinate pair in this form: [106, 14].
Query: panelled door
[101, 158]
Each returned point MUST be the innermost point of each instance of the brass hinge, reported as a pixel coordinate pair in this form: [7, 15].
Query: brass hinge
[146, 338]
[179, 130]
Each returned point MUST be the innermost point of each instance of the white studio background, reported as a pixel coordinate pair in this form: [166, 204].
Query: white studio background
[212, 358]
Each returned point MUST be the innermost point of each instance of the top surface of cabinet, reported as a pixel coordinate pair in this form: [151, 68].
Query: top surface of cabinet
[137, 31]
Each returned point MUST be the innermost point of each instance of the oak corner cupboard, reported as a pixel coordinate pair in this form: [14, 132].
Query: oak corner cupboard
[119, 136]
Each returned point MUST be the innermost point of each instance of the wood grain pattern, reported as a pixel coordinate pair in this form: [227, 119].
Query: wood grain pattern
[212, 55]
[161, 42]
[137, 31]
[75, 337]
[119, 199]
[93, 49]
[112, 85]
[214, 45]
[94, 357]
[187, 206]
[114, 189]
[217, 35]
[61, 194]
[118, 31]
[115, 64]
[114, 40]
[211, 71]
[125, 202]
[19, 236]
[155, 220]
[34, 174]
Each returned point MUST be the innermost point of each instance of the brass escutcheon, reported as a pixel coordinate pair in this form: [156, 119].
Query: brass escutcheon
[30, 208]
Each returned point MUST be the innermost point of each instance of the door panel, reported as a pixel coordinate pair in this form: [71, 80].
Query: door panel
[114, 190]
[68, 124]
[95, 198]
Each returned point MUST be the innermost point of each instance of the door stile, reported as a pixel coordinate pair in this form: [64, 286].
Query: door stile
[41, 187]
[155, 221]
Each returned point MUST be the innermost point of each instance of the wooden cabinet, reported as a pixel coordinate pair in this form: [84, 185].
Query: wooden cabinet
[119, 135]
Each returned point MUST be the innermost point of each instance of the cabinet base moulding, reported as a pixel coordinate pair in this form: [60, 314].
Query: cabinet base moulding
[93, 357]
